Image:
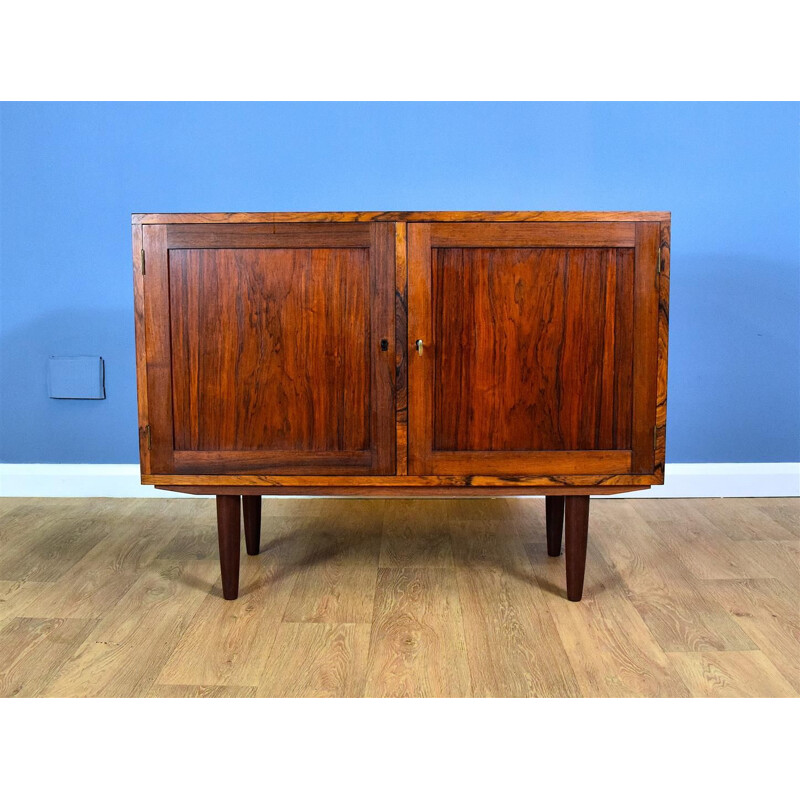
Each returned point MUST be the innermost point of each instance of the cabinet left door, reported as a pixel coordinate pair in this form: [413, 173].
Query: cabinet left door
[269, 348]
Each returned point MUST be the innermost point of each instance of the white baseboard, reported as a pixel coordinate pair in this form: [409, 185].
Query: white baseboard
[122, 480]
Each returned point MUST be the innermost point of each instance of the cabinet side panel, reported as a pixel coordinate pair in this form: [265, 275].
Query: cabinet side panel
[645, 348]
[141, 355]
[663, 336]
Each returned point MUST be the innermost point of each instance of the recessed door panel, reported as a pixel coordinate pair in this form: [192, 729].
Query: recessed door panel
[528, 348]
[276, 337]
[270, 349]
[532, 349]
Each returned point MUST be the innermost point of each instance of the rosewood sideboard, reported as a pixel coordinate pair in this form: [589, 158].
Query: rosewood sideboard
[402, 354]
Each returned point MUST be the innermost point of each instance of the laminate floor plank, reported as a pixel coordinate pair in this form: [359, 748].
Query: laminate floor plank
[196, 534]
[416, 534]
[476, 509]
[316, 660]
[227, 643]
[129, 647]
[158, 690]
[16, 596]
[779, 560]
[704, 550]
[769, 612]
[336, 580]
[50, 549]
[513, 646]
[98, 580]
[742, 674]
[32, 649]
[441, 597]
[784, 511]
[610, 649]
[742, 518]
[417, 646]
[678, 613]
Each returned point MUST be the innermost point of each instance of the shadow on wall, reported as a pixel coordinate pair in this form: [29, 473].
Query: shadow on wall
[734, 382]
[38, 429]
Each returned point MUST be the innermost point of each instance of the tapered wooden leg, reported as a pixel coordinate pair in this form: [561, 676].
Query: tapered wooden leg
[576, 528]
[229, 532]
[251, 506]
[554, 510]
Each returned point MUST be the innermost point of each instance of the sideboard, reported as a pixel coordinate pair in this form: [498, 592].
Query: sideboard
[416, 354]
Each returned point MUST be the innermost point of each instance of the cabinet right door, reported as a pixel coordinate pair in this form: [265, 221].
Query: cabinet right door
[532, 348]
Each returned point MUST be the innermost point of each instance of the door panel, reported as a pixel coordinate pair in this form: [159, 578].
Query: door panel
[529, 345]
[274, 348]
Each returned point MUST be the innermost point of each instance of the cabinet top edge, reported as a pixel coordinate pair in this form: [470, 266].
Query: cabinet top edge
[402, 216]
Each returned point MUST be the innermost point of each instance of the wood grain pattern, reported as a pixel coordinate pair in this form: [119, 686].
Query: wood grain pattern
[105, 573]
[610, 649]
[16, 596]
[400, 216]
[543, 234]
[297, 373]
[141, 347]
[165, 690]
[524, 349]
[388, 237]
[730, 675]
[382, 362]
[417, 645]
[663, 348]
[157, 349]
[401, 348]
[290, 368]
[166, 635]
[130, 644]
[336, 582]
[646, 346]
[768, 611]
[317, 661]
[32, 649]
[247, 235]
[416, 533]
[678, 611]
[224, 644]
[512, 643]
[537, 484]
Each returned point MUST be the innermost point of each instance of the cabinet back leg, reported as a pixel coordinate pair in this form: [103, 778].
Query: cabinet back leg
[229, 532]
[554, 511]
[251, 507]
[577, 531]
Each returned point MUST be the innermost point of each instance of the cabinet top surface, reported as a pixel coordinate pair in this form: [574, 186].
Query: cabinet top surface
[404, 216]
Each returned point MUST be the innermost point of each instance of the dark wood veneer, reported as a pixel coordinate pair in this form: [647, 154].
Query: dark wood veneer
[277, 353]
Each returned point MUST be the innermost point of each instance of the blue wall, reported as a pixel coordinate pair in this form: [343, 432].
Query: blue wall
[730, 173]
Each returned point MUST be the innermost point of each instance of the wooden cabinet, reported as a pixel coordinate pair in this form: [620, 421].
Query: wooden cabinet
[416, 354]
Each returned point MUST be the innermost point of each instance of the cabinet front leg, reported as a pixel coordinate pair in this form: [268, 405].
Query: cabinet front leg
[229, 532]
[554, 511]
[577, 531]
[251, 506]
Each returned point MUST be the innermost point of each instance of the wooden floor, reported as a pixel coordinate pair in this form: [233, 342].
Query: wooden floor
[433, 598]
